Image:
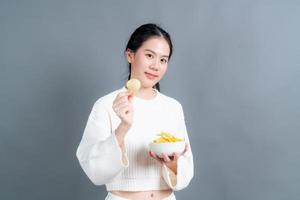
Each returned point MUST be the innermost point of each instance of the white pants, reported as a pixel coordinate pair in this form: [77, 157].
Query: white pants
[111, 196]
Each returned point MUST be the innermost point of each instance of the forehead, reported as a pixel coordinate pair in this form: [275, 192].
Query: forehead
[157, 44]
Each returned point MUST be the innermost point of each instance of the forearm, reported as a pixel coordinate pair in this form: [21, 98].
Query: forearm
[184, 172]
[120, 133]
[172, 166]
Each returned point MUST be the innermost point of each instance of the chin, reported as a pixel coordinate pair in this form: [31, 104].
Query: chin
[147, 83]
[150, 85]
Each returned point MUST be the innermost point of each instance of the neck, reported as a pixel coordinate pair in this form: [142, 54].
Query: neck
[146, 93]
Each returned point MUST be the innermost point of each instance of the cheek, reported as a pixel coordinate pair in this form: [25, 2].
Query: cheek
[142, 63]
[138, 65]
[164, 69]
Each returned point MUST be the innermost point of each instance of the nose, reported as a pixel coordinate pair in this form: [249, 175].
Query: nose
[155, 65]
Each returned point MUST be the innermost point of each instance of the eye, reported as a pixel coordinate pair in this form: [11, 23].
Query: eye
[163, 60]
[148, 55]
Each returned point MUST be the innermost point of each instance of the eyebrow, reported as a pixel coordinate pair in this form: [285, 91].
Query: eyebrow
[156, 53]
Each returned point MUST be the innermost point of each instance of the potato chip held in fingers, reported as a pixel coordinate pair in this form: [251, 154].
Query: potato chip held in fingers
[133, 85]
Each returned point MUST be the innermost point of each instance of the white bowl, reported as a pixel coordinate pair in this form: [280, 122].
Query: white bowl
[167, 147]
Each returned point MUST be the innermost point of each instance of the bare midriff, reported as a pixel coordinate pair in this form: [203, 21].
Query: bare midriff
[145, 195]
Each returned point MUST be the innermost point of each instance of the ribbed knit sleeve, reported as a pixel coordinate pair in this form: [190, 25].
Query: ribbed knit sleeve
[185, 164]
[98, 152]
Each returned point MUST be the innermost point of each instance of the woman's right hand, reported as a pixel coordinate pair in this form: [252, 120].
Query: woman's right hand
[123, 107]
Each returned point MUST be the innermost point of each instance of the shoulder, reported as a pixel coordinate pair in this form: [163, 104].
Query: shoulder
[106, 101]
[170, 101]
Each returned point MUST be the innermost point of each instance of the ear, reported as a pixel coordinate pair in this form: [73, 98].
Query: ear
[129, 55]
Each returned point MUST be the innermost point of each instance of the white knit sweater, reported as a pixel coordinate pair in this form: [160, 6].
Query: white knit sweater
[101, 157]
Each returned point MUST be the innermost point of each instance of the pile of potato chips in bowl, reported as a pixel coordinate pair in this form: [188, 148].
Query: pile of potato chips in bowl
[167, 143]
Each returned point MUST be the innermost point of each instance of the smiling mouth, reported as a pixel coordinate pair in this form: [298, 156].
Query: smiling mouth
[150, 76]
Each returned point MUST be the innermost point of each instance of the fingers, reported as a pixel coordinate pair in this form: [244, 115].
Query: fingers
[169, 158]
[120, 109]
[176, 156]
[164, 158]
[123, 97]
[153, 155]
[173, 157]
[122, 102]
[123, 110]
[130, 97]
[156, 157]
[120, 105]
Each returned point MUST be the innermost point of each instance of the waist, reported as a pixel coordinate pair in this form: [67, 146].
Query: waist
[137, 184]
[144, 195]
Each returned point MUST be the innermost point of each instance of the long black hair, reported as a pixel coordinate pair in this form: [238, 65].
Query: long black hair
[143, 33]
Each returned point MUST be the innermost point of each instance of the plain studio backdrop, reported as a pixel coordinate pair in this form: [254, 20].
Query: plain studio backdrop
[235, 69]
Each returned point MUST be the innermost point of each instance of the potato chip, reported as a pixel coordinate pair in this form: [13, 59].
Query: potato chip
[167, 137]
[133, 85]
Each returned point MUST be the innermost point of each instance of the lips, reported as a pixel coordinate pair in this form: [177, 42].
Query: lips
[150, 75]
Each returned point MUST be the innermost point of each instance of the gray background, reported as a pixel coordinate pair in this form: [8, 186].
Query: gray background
[235, 69]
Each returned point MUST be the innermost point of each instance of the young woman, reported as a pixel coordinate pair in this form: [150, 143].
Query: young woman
[114, 147]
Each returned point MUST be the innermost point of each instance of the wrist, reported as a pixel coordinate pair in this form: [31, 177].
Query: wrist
[124, 126]
[120, 132]
[172, 167]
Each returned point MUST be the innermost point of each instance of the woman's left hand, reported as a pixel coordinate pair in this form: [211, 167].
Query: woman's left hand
[169, 161]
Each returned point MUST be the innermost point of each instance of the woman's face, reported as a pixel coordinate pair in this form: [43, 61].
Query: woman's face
[150, 62]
